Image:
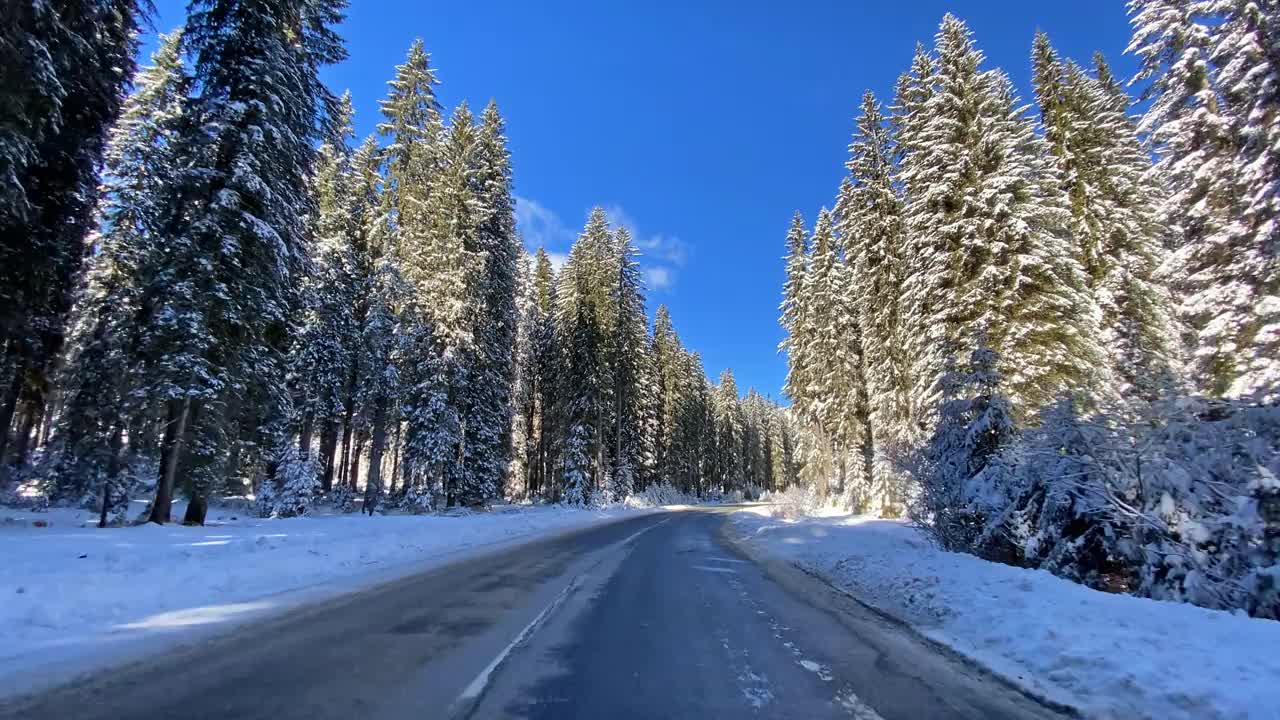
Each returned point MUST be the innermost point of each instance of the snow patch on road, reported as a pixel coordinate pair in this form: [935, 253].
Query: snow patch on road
[822, 671]
[1109, 655]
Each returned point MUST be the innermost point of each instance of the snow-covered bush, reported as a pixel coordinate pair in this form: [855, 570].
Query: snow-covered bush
[294, 490]
[418, 498]
[956, 471]
[659, 495]
[342, 498]
[1176, 500]
[795, 501]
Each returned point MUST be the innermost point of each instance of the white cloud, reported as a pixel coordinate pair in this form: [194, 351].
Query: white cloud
[541, 227]
[668, 249]
[660, 255]
[659, 277]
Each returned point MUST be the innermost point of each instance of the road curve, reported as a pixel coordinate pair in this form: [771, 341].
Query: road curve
[651, 617]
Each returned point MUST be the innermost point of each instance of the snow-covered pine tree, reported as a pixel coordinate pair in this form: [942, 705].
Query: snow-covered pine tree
[584, 318]
[63, 71]
[413, 124]
[666, 354]
[217, 315]
[1105, 172]
[990, 251]
[544, 379]
[516, 484]
[628, 349]
[98, 405]
[871, 225]
[1211, 73]
[840, 408]
[321, 355]
[975, 423]
[447, 270]
[793, 309]
[489, 407]
[913, 90]
[728, 469]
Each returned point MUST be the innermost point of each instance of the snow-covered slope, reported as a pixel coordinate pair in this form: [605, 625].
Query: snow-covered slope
[1112, 656]
[76, 597]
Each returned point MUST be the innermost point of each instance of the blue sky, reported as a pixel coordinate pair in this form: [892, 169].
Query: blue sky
[702, 125]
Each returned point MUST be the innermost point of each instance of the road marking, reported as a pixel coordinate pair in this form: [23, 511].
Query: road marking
[477, 685]
[638, 533]
[708, 568]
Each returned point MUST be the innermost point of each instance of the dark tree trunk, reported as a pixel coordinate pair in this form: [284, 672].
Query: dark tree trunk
[304, 436]
[8, 408]
[197, 511]
[113, 471]
[328, 448]
[353, 471]
[32, 411]
[395, 460]
[170, 449]
[198, 504]
[373, 480]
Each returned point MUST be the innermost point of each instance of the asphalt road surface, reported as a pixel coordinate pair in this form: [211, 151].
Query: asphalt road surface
[652, 617]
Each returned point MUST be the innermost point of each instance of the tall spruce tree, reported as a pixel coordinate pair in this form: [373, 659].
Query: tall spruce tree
[98, 402]
[991, 255]
[489, 409]
[1211, 71]
[63, 71]
[218, 311]
[871, 225]
[1105, 172]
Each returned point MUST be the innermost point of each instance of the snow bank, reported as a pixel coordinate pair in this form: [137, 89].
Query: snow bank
[1112, 656]
[76, 597]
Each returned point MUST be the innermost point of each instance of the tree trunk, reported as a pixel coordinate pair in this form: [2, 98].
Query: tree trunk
[373, 481]
[328, 448]
[170, 448]
[353, 471]
[304, 436]
[32, 412]
[198, 505]
[116, 444]
[7, 410]
[395, 460]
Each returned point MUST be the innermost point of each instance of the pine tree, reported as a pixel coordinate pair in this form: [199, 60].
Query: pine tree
[584, 318]
[730, 434]
[98, 402]
[218, 314]
[63, 71]
[322, 352]
[544, 378]
[871, 225]
[628, 365]
[667, 357]
[990, 255]
[489, 411]
[796, 312]
[1105, 173]
[1212, 114]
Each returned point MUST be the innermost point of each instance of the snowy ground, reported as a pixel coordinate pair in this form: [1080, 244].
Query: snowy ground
[1111, 656]
[76, 598]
